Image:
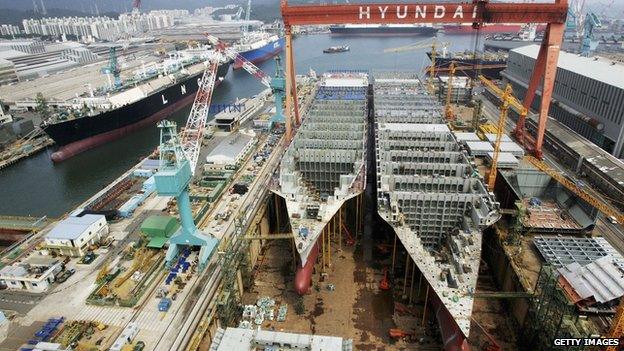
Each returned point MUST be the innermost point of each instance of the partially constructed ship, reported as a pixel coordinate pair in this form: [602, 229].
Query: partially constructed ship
[325, 165]
[430, 193]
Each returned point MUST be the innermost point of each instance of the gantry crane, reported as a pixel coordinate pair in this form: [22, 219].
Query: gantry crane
[570, 185]
[476, 13]
[178, 162]
[179, 154]
[276, 83]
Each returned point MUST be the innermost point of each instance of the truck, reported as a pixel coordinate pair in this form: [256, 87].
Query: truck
[164, 304]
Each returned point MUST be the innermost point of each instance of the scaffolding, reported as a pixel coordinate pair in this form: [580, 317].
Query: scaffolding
[551, 315]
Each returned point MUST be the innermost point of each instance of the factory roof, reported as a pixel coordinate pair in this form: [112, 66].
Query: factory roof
[480, 147]
[72, 227]
[247, 339]
[466, 136]
[491, 137]
[601, 279]
[596, 68]
[415, 127]
[505, 159]
[13, 271]
[229, 148]
[9, 54]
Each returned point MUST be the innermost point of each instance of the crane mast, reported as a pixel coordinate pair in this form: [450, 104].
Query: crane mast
[448, 110]
[504, 109]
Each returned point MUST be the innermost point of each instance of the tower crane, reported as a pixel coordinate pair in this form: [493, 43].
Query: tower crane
[136, 5]
[113, 68]
[600, 205]
[448, 110]
[421, 45]
[507, 100]
[276, 83]
[502, 118]
[513, 102]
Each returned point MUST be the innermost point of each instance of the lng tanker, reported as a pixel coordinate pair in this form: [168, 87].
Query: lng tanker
[325, 164]
[151, 94]
[432, 196]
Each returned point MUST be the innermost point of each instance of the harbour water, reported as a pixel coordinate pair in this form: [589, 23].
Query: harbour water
[38, 187]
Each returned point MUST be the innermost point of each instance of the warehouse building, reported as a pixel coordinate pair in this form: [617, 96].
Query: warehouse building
[588, 96]
[34, 274]
[73, 235]
[230, 152]
[8, 74]
[248, 339]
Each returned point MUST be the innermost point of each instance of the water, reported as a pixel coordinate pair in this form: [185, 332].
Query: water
[36, 186]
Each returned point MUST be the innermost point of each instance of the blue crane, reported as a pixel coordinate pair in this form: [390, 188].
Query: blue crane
[588, 45]
[113, 67]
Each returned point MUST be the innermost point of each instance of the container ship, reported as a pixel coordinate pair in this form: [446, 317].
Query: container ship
[383, 29]
[487, 28]
[325, 165]
[152, 94]
[258, 47]
[432, 197]
[491, 63]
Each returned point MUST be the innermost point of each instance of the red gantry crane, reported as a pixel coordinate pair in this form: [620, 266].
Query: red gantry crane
[477, 13]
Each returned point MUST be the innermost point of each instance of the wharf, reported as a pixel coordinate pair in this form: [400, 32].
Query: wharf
[159, 331]
[32, 147]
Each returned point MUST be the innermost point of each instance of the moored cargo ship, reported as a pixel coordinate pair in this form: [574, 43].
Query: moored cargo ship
[489, 63]
[155, 93]
[486, 28]
[258, 47]
[383, 29]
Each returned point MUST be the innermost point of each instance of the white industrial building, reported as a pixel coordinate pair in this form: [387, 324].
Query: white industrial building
[588, 94]
[34, 274]
[240, 339]
[8, 74]
[73, 235]
[79, 55]
[230, 151]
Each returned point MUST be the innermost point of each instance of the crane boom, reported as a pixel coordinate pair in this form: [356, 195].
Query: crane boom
[514, 103]
[246, 64]
[598, 204]
[504, 109]
[193, 133]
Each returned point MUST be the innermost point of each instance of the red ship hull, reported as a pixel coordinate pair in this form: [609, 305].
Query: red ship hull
[453, 339]
[303, 276]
